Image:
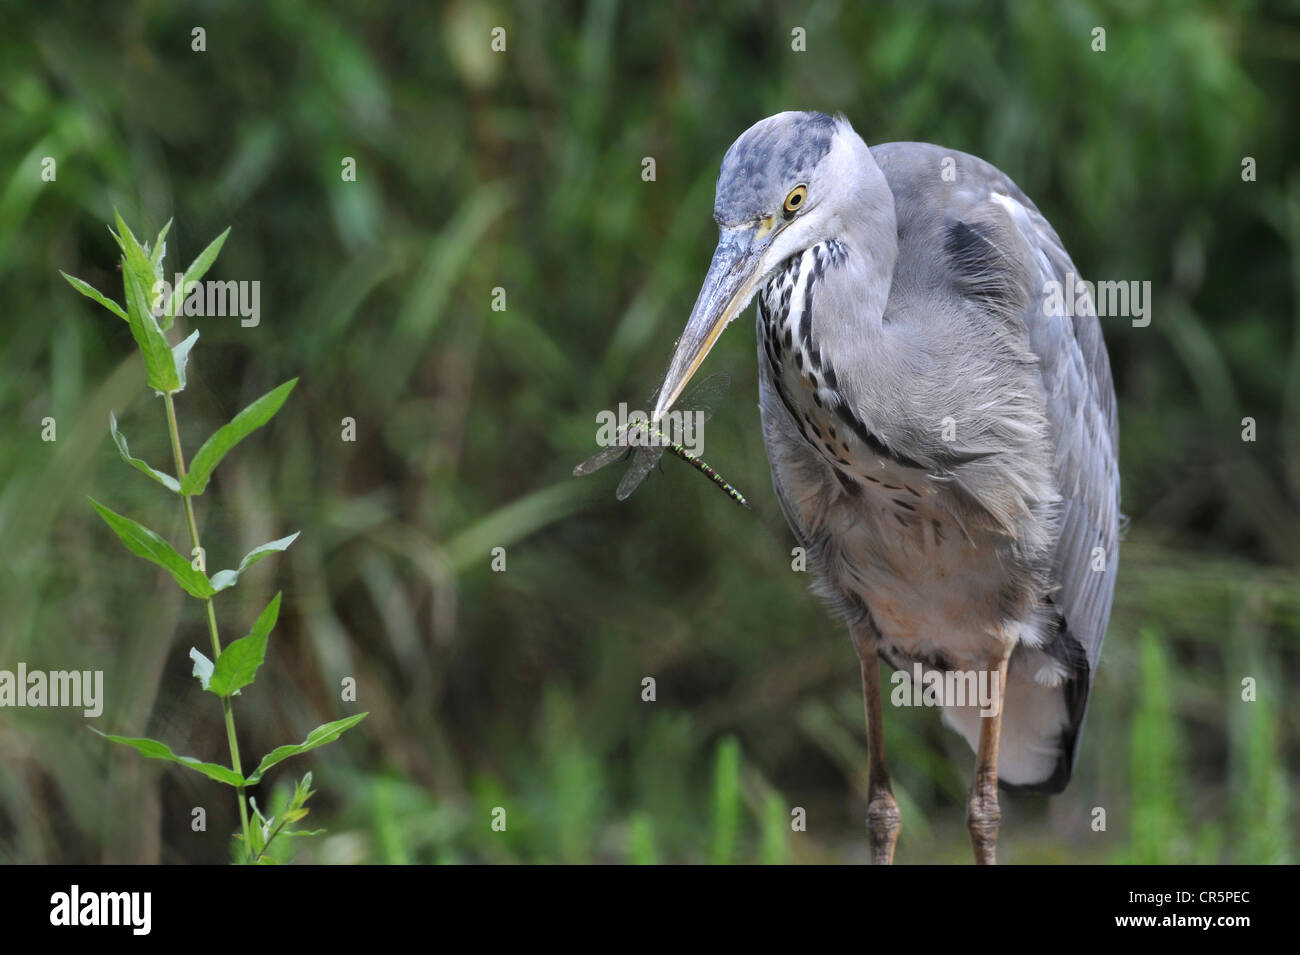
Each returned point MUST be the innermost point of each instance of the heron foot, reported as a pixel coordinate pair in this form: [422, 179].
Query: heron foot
[884, 821]
[982, 819]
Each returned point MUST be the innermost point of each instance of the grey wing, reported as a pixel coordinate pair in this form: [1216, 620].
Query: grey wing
[972, 217]
[1002, 253]
[1081, 408]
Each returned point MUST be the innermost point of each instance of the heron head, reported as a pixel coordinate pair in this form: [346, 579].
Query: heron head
[781, 188]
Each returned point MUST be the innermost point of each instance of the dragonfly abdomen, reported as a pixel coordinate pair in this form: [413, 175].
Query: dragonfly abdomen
[704, 467]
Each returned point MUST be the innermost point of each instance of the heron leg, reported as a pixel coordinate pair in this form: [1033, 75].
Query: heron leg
[984, 815]
[882, 811]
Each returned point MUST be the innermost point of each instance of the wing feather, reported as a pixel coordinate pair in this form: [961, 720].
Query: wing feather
[1081, 409]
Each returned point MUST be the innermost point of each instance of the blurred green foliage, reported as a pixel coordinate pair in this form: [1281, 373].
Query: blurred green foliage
[522, 171]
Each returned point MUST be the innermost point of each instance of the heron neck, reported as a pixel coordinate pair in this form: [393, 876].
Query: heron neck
[868, 226]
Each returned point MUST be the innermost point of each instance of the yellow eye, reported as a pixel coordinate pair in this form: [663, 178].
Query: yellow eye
[795, 200]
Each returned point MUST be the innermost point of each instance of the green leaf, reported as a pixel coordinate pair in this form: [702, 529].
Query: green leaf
[160, 367]
[181, 355]
[143, 542]
[92, 293]
[166, 480]
[228, 435]
[159, 250]
[302, 791]
[326, 733]
[238, 663]
[138, 278]
[124, 232]
[198, 268]
[258, 831]
[202, 667]
[226, 578]
[156, 750]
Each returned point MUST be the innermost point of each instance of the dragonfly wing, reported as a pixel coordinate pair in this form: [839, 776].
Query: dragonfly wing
[599, 460]
[705, 396]
[643, 463]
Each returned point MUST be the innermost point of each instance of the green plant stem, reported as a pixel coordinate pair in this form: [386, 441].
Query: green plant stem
[269, 839]
[226, 709]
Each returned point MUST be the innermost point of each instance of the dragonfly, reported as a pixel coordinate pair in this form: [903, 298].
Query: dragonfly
[643, 457]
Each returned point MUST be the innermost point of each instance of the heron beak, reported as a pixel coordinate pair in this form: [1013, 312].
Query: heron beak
[733, 277]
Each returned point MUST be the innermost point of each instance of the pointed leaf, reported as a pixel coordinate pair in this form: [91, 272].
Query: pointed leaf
[138, 278]
[160, 367]
[257, 813]
[166, 480]
[228, 435]
[202, 667]
[227, 578]
[302, 791]
[326, 733]
[181, 355]
[143, 542]
[124, 234]
[159, 250]
[92, 293]
[198, 268]
[257, 833]
[238, 663]
[156, 750]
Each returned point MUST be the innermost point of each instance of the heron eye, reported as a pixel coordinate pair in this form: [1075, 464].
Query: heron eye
[795, 200]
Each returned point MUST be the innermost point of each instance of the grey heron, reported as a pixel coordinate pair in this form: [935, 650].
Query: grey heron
[941, 431]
